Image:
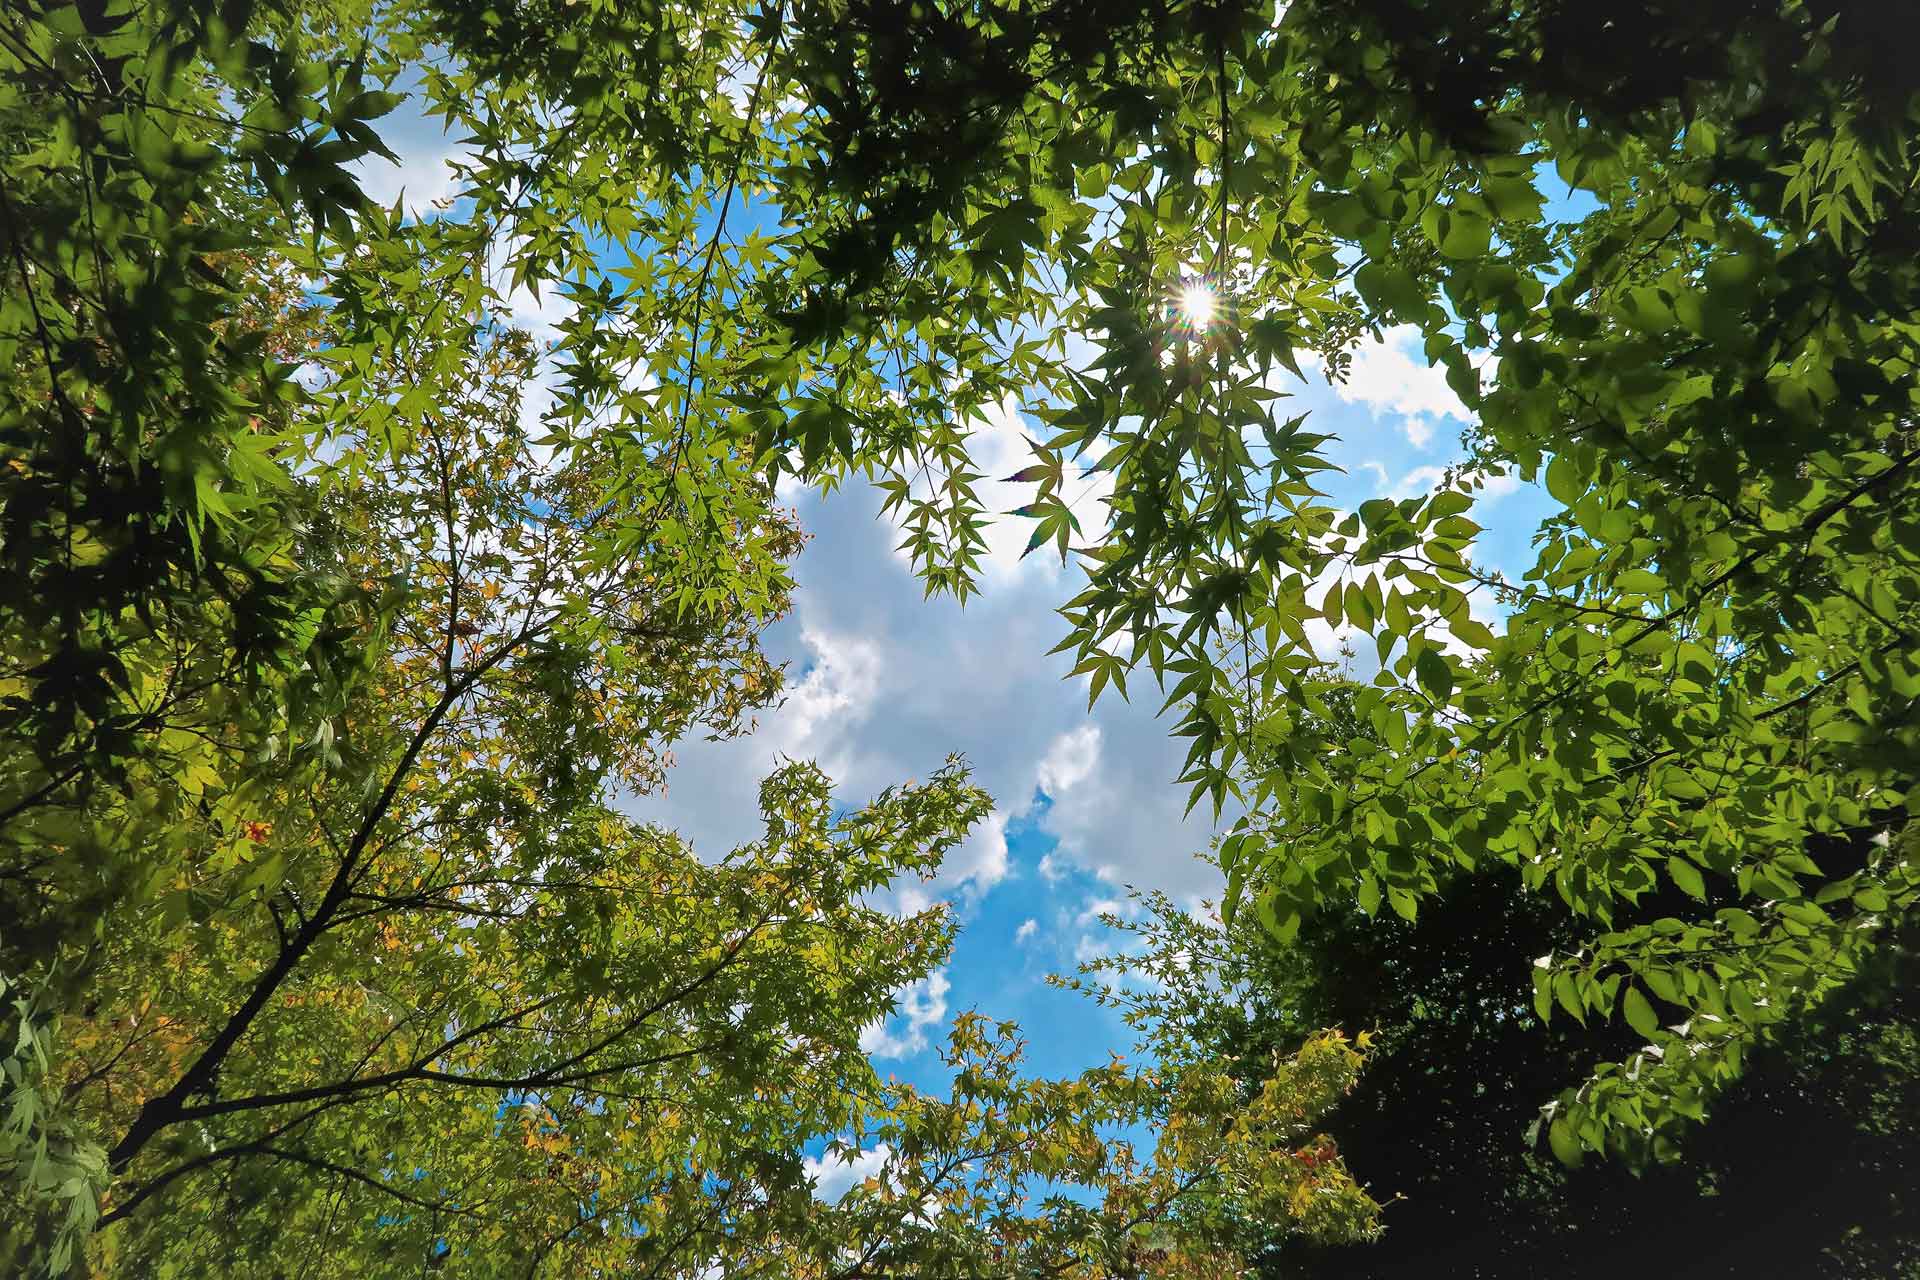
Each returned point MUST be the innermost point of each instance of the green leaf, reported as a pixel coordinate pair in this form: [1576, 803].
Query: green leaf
[1566, 1147]
[1392, 290]
[1436, 674]
[1871, 898]
[1639, 1013]
[1564, 480]
[1687, 876]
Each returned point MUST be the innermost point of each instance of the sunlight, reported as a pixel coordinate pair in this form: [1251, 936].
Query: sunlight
[1197, 304]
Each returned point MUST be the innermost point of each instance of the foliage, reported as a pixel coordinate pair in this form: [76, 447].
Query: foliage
[1702, 696]
[1013, 1176]
[819, 237]
[326, 940]
[359, 946]
[1700, 693]
[152, 177]
[1803, 1167]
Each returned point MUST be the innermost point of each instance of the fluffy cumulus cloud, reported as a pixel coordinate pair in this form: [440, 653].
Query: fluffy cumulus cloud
[923, 1004]
[835, 696]
[1420, 481]
[1070, 760]
[1392, 378]
[422, 182]
[883, 684]
[981, 861]
[422, 177]
[834, 1173]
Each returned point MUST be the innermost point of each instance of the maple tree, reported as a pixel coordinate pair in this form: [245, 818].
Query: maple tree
[1694, 726]
[326, 938]
[311, 683]
[1008, 1175]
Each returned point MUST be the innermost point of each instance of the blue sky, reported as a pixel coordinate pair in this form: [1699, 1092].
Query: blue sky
[884, 684]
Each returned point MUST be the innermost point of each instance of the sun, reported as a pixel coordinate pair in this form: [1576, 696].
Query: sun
[1198, 303]
[1197, 309]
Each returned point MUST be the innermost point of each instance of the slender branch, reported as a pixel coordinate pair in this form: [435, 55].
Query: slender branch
[167, 1108]
[126, 1207]
[33, 798]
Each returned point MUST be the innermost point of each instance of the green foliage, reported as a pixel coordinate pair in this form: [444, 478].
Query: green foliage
[1013, 1176]
[490, 1043]
[159, 178]
[163, 168]
[324, 935]
[1704, 682]
[284, 667]
[1804, 1167]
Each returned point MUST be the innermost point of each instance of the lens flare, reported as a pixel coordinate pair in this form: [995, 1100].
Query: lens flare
[1197, 304]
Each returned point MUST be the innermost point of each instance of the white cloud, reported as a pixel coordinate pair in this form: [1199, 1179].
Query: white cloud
[1495, 487]
[1027, 929]
[1092, 946]
[1417, 483]
[425, 170]
[910, 899]
[1421, 481]
[1070, 760]
[425, 177]
[540, 314]
[922, 1004]
[1123, 826]
[1097, 907]
[1392, 376]
[833, 1175]
[885, 683]
[981, 860]
[836, 694]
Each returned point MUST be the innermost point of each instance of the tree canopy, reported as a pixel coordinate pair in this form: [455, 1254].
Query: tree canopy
[1695, 725]
[328, 652]
[1804, 1166]
[328, 945]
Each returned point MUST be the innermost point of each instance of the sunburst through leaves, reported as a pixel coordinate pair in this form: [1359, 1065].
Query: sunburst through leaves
[1196, 307]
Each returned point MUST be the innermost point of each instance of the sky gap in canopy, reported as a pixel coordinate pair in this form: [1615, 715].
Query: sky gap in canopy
[883, 682]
